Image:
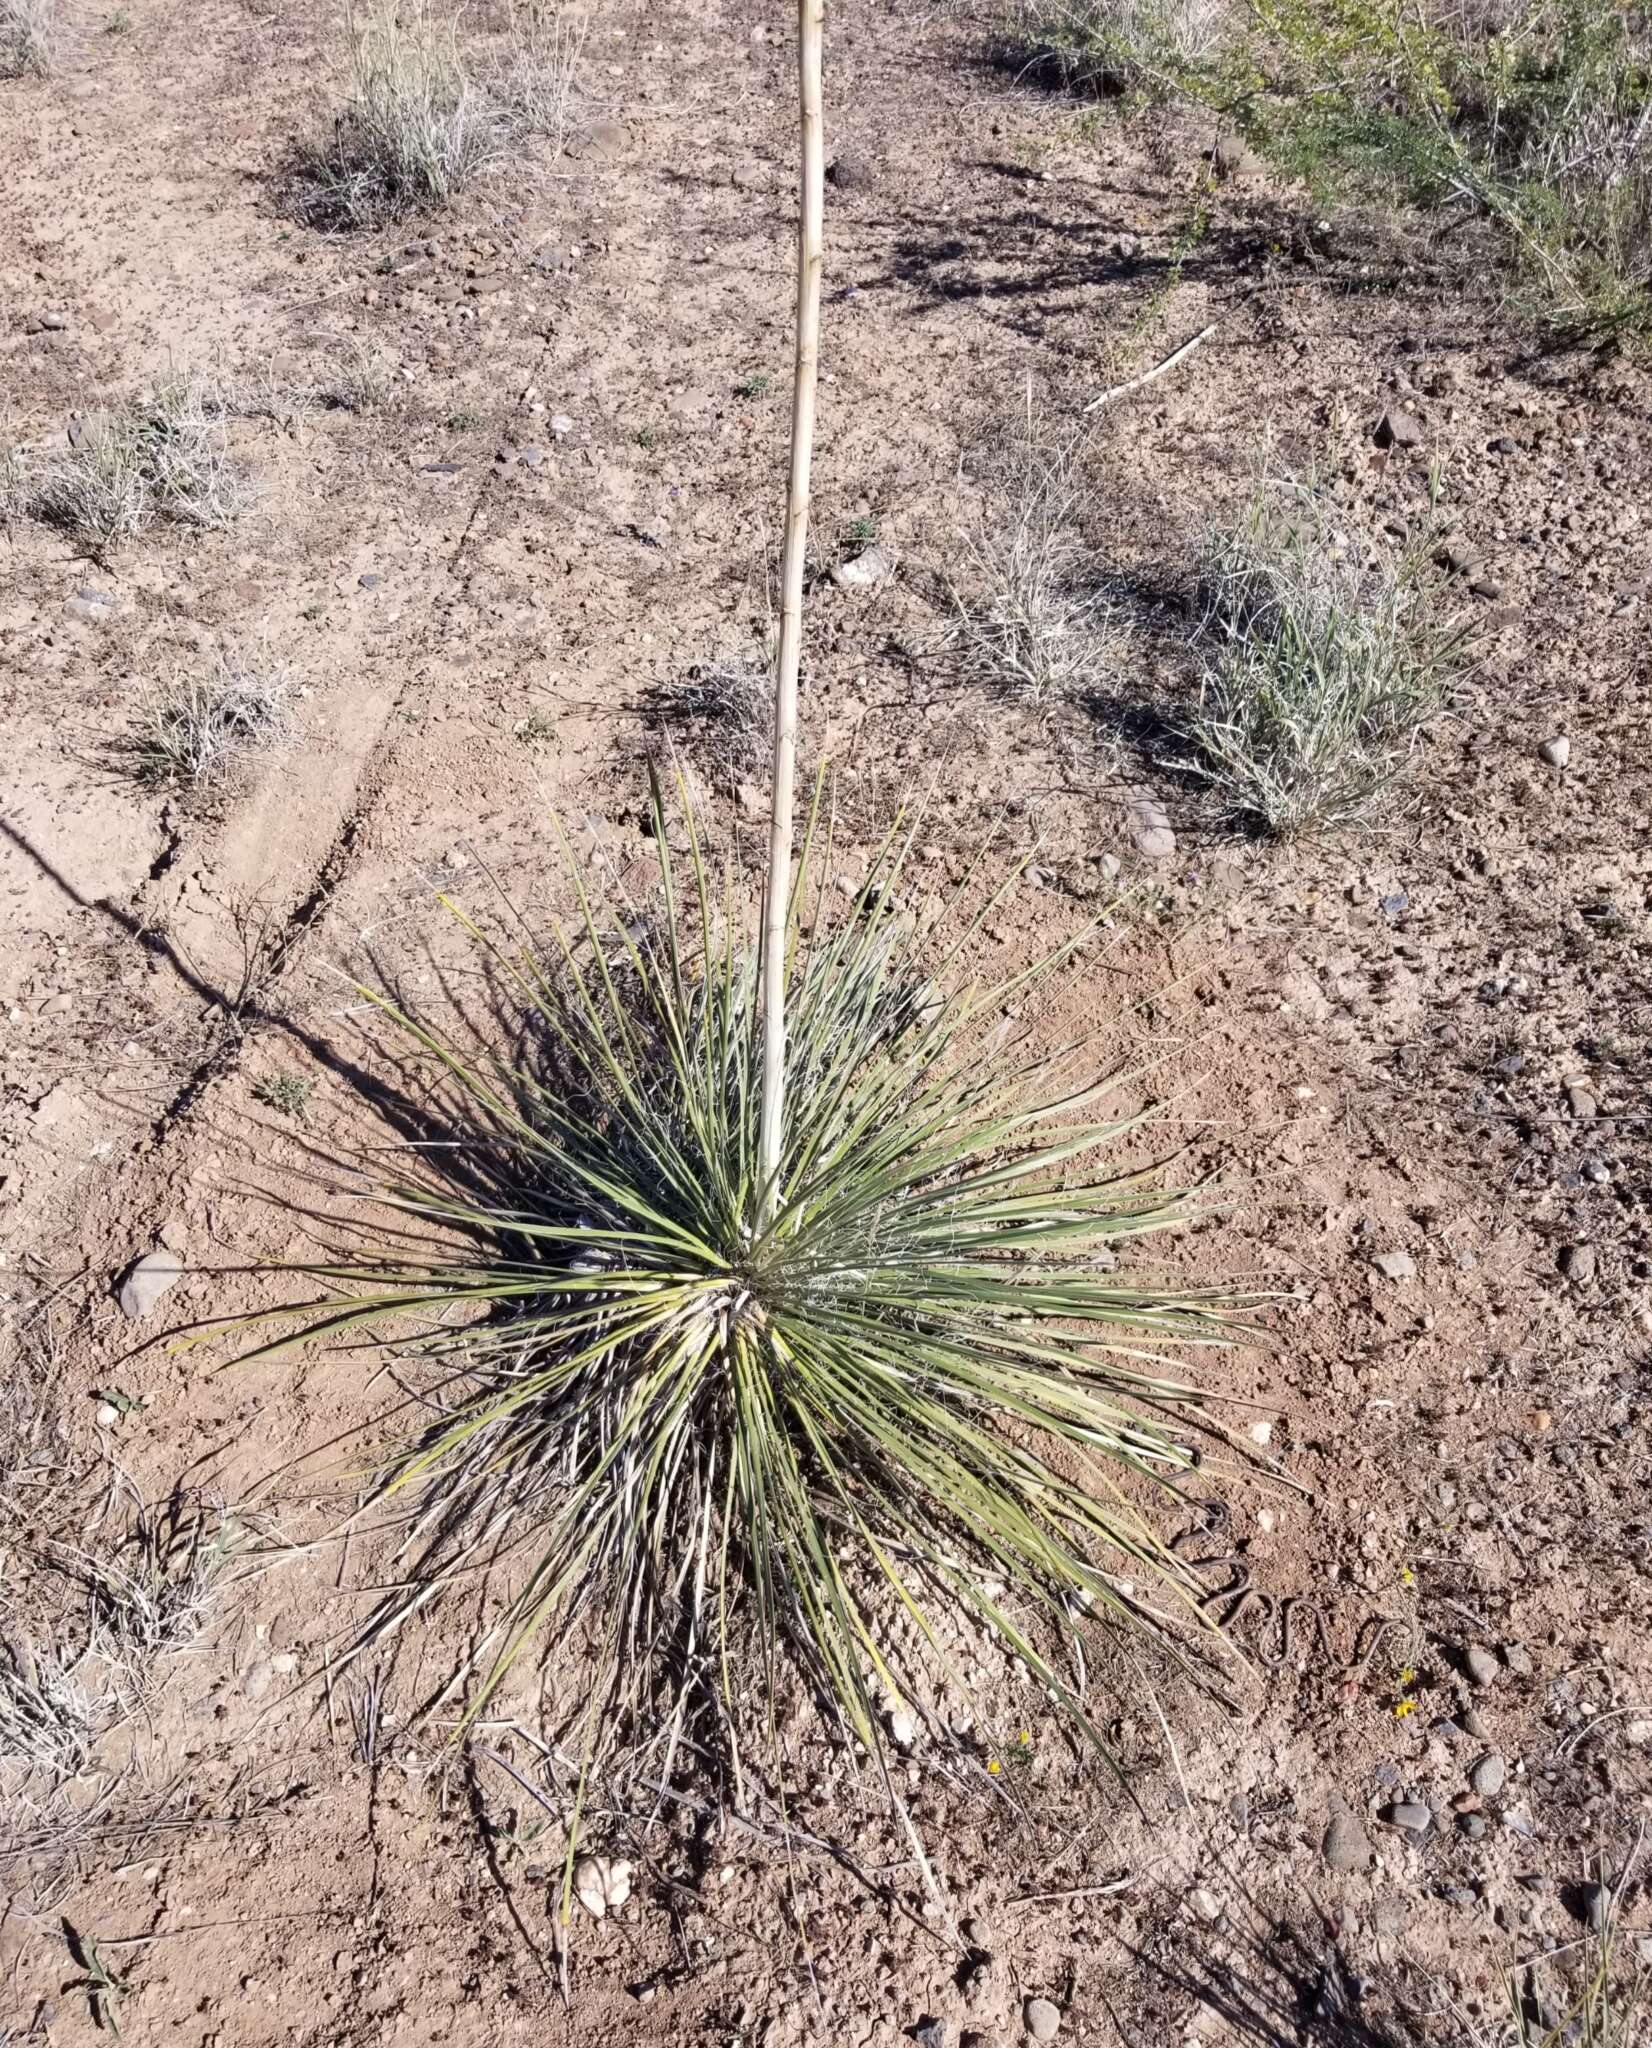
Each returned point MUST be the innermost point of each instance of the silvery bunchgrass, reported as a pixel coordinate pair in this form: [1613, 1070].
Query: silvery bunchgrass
[1324, 661]
[1035, 616]
[165, 455]
[415, 129]
[194, 729]
[28, 37]
[709, 1446]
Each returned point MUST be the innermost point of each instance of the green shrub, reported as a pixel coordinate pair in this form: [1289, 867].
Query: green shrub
[1537, 118]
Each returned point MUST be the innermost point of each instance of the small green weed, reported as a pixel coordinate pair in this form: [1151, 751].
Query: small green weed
[646, 438]
[534, 729]
[462, 420]
[755, 384]
[287, 1094]
[861, 532]
[100, 1984]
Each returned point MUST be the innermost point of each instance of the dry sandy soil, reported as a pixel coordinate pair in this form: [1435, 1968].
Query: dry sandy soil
[1433, 1039]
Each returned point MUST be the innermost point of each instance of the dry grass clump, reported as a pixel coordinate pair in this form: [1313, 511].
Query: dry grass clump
[721, 710]
[48, 1717]
[152, 1598]
[415, 129]
[1113, 46]
[1034, 617]
[1323, 663]
[419, 125]
[164, 457]
[193, 730]
[535, 84]
[28, 31]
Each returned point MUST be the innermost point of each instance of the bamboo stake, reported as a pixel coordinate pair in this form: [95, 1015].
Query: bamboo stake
[811, 18]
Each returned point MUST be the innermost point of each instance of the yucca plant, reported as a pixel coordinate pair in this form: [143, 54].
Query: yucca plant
[708, 1430]
[762, 1301]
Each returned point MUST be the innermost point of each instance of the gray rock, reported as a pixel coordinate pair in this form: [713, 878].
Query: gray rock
[1557, 752]
[1518, 1658]
[1473, 1723]
[1346, 1847]
[1472, 1826]
[147, 1280]
[531, 456]
[1595, 1907]
[1398, 429]
[1480, 1666]
[370, 581]
[1233, 158]
[1579, 1101]
[1487, 1777]
[1410, 1815]
[1395, 1265]
[1150, 829]
[863, 571]
[1042, 2019]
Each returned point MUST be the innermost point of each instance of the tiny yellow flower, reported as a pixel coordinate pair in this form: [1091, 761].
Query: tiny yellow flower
[1407, 1576]
[1408, 1676]
[1026, 1739]
[994, 1765]
[1404, 1707]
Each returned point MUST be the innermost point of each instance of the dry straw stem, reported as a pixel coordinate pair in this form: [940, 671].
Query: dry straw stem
[811, 258]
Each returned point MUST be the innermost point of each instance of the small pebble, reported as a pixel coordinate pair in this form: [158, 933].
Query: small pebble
[1395, 1265]
[903, 1728]
[1472, 1826]
[1577, 1262]
[1043, 2020]
[1518, 1658]
[1410, 1815]
[1480, 1665]
[1557, 752]
[1488, 1776]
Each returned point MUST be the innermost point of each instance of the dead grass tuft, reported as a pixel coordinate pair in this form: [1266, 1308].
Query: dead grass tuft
[1112, 46]
[165, 457]
[1033, 617]
[721, 709]
[536, 84]
[193, 730]
[28, 32]
[415, 129]
[419, 124]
